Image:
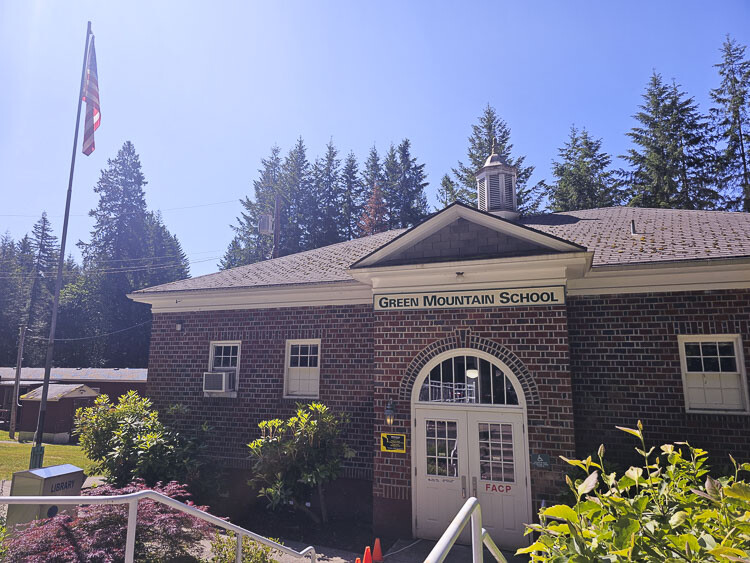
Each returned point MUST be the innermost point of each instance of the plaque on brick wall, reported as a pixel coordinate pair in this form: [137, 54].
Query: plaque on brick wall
[393, 443]
[540, 461]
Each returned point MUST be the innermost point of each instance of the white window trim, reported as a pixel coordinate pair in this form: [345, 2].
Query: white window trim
[287, 353]
[211, 347]
[737, 340]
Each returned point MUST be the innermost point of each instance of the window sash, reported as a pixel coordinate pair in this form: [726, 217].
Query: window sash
[302, 368]
[720, 385]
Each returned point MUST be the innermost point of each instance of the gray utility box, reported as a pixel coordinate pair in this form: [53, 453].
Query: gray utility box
[58, 480]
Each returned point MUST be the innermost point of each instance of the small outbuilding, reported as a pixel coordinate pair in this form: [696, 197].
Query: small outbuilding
[62, 402]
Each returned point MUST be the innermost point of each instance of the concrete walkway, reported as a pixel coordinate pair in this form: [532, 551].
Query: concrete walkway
[415, 551]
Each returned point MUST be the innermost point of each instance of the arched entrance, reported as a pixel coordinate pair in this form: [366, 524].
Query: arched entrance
[470, 439]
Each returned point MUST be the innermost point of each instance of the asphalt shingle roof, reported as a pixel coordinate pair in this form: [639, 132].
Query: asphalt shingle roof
[662, 235]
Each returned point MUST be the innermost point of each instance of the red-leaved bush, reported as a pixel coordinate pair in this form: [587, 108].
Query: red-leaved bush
[97, 534]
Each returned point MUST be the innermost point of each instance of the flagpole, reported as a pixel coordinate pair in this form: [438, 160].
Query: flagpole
[37, 452]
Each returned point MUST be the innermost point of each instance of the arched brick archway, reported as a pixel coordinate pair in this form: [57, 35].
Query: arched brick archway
[464, 339]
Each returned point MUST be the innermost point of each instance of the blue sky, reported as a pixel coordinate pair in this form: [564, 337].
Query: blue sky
[203, 89]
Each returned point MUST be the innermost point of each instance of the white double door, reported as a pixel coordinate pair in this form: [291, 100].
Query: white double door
[460, 453]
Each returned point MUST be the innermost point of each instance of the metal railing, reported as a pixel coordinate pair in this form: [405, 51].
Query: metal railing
[132, 501]
[471, 511]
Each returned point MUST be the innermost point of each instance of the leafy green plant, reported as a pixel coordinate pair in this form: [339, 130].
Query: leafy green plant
[3, 537]
[295, 457]
[669, 509]
[223, 550]
[127, 440]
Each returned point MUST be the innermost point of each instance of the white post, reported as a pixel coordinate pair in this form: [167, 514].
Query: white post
[477, 549]
[238, 549]
[130, 539]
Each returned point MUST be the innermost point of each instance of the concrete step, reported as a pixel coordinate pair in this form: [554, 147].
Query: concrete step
[415, 551]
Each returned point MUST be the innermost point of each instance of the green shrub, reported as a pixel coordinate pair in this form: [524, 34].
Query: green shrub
[223, 550]
[127, 441]
[3, 538]
[295, 457]
[670, 509]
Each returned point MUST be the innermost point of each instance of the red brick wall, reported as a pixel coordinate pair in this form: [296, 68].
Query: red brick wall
[626, 366]
[536, 336]
[178, 359]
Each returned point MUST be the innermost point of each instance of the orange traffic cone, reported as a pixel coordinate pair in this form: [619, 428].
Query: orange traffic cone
[358, 560]
[377, 552]
[368, 555]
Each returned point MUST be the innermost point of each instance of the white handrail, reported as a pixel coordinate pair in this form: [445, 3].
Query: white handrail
[471, 510]
[132, 501]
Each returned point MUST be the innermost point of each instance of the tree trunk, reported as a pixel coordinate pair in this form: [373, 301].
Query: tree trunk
[321, 498]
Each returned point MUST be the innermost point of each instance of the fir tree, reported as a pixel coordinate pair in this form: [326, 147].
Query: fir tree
[295, 188]
[11, 299]
[248, 245]
[41, 281]
[731, 119]
[375, 216]
[372, 172]
[673, 161]
[489, 129]
[583, 179]
[352, 205]
[448, 192]
[129, 249]
[405, 183]
[325, 200]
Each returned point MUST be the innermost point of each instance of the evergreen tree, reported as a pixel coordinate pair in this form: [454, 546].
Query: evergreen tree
[405, 183]
[353, 197]
[372, 172]
[673, 164]
[295, 188]
[489, 129]
[375, 217]
[583, 179]
[41, 282]
[325, 201]
[449, 192]
[248, 245]
[731, 119]
[10, 300]
[129, 249]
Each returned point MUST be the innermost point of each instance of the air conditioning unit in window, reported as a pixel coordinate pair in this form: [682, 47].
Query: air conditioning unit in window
[219, 381]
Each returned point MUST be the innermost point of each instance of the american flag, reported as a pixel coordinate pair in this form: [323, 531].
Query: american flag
[91, 97]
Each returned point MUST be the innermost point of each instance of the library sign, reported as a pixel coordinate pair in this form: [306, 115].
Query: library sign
[507, 297]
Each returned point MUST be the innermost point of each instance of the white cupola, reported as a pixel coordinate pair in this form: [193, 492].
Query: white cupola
[496, 187]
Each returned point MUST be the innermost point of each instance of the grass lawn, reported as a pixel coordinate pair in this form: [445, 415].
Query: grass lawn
[15, 457]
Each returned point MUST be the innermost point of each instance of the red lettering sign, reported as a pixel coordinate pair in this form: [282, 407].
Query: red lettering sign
[492, 488]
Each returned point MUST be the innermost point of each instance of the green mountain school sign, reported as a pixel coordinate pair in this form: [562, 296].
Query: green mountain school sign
[508, 297]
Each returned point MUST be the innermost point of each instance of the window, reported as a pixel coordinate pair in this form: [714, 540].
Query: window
[468, 379]
[713, 373]
[225, 358]
[302, 373]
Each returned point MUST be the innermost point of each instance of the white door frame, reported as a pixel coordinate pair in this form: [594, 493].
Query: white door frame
[436, 407]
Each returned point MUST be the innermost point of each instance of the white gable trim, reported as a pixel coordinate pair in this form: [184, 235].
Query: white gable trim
[449, 215]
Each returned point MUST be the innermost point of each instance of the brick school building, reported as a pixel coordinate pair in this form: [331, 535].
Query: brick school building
[474, 349]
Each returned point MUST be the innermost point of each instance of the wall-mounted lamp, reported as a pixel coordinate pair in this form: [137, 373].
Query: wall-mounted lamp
[178, 326]
[390, 413]
[472, 373]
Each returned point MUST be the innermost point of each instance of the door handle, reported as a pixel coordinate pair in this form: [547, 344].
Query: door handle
[474, 486]
[463, 486]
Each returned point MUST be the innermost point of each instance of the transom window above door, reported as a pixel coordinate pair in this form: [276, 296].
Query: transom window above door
[468, 379]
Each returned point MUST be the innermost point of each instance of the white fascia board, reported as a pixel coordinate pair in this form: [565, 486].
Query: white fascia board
[695, 275]
[312, 295]
[448, 216]
[551, 269]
